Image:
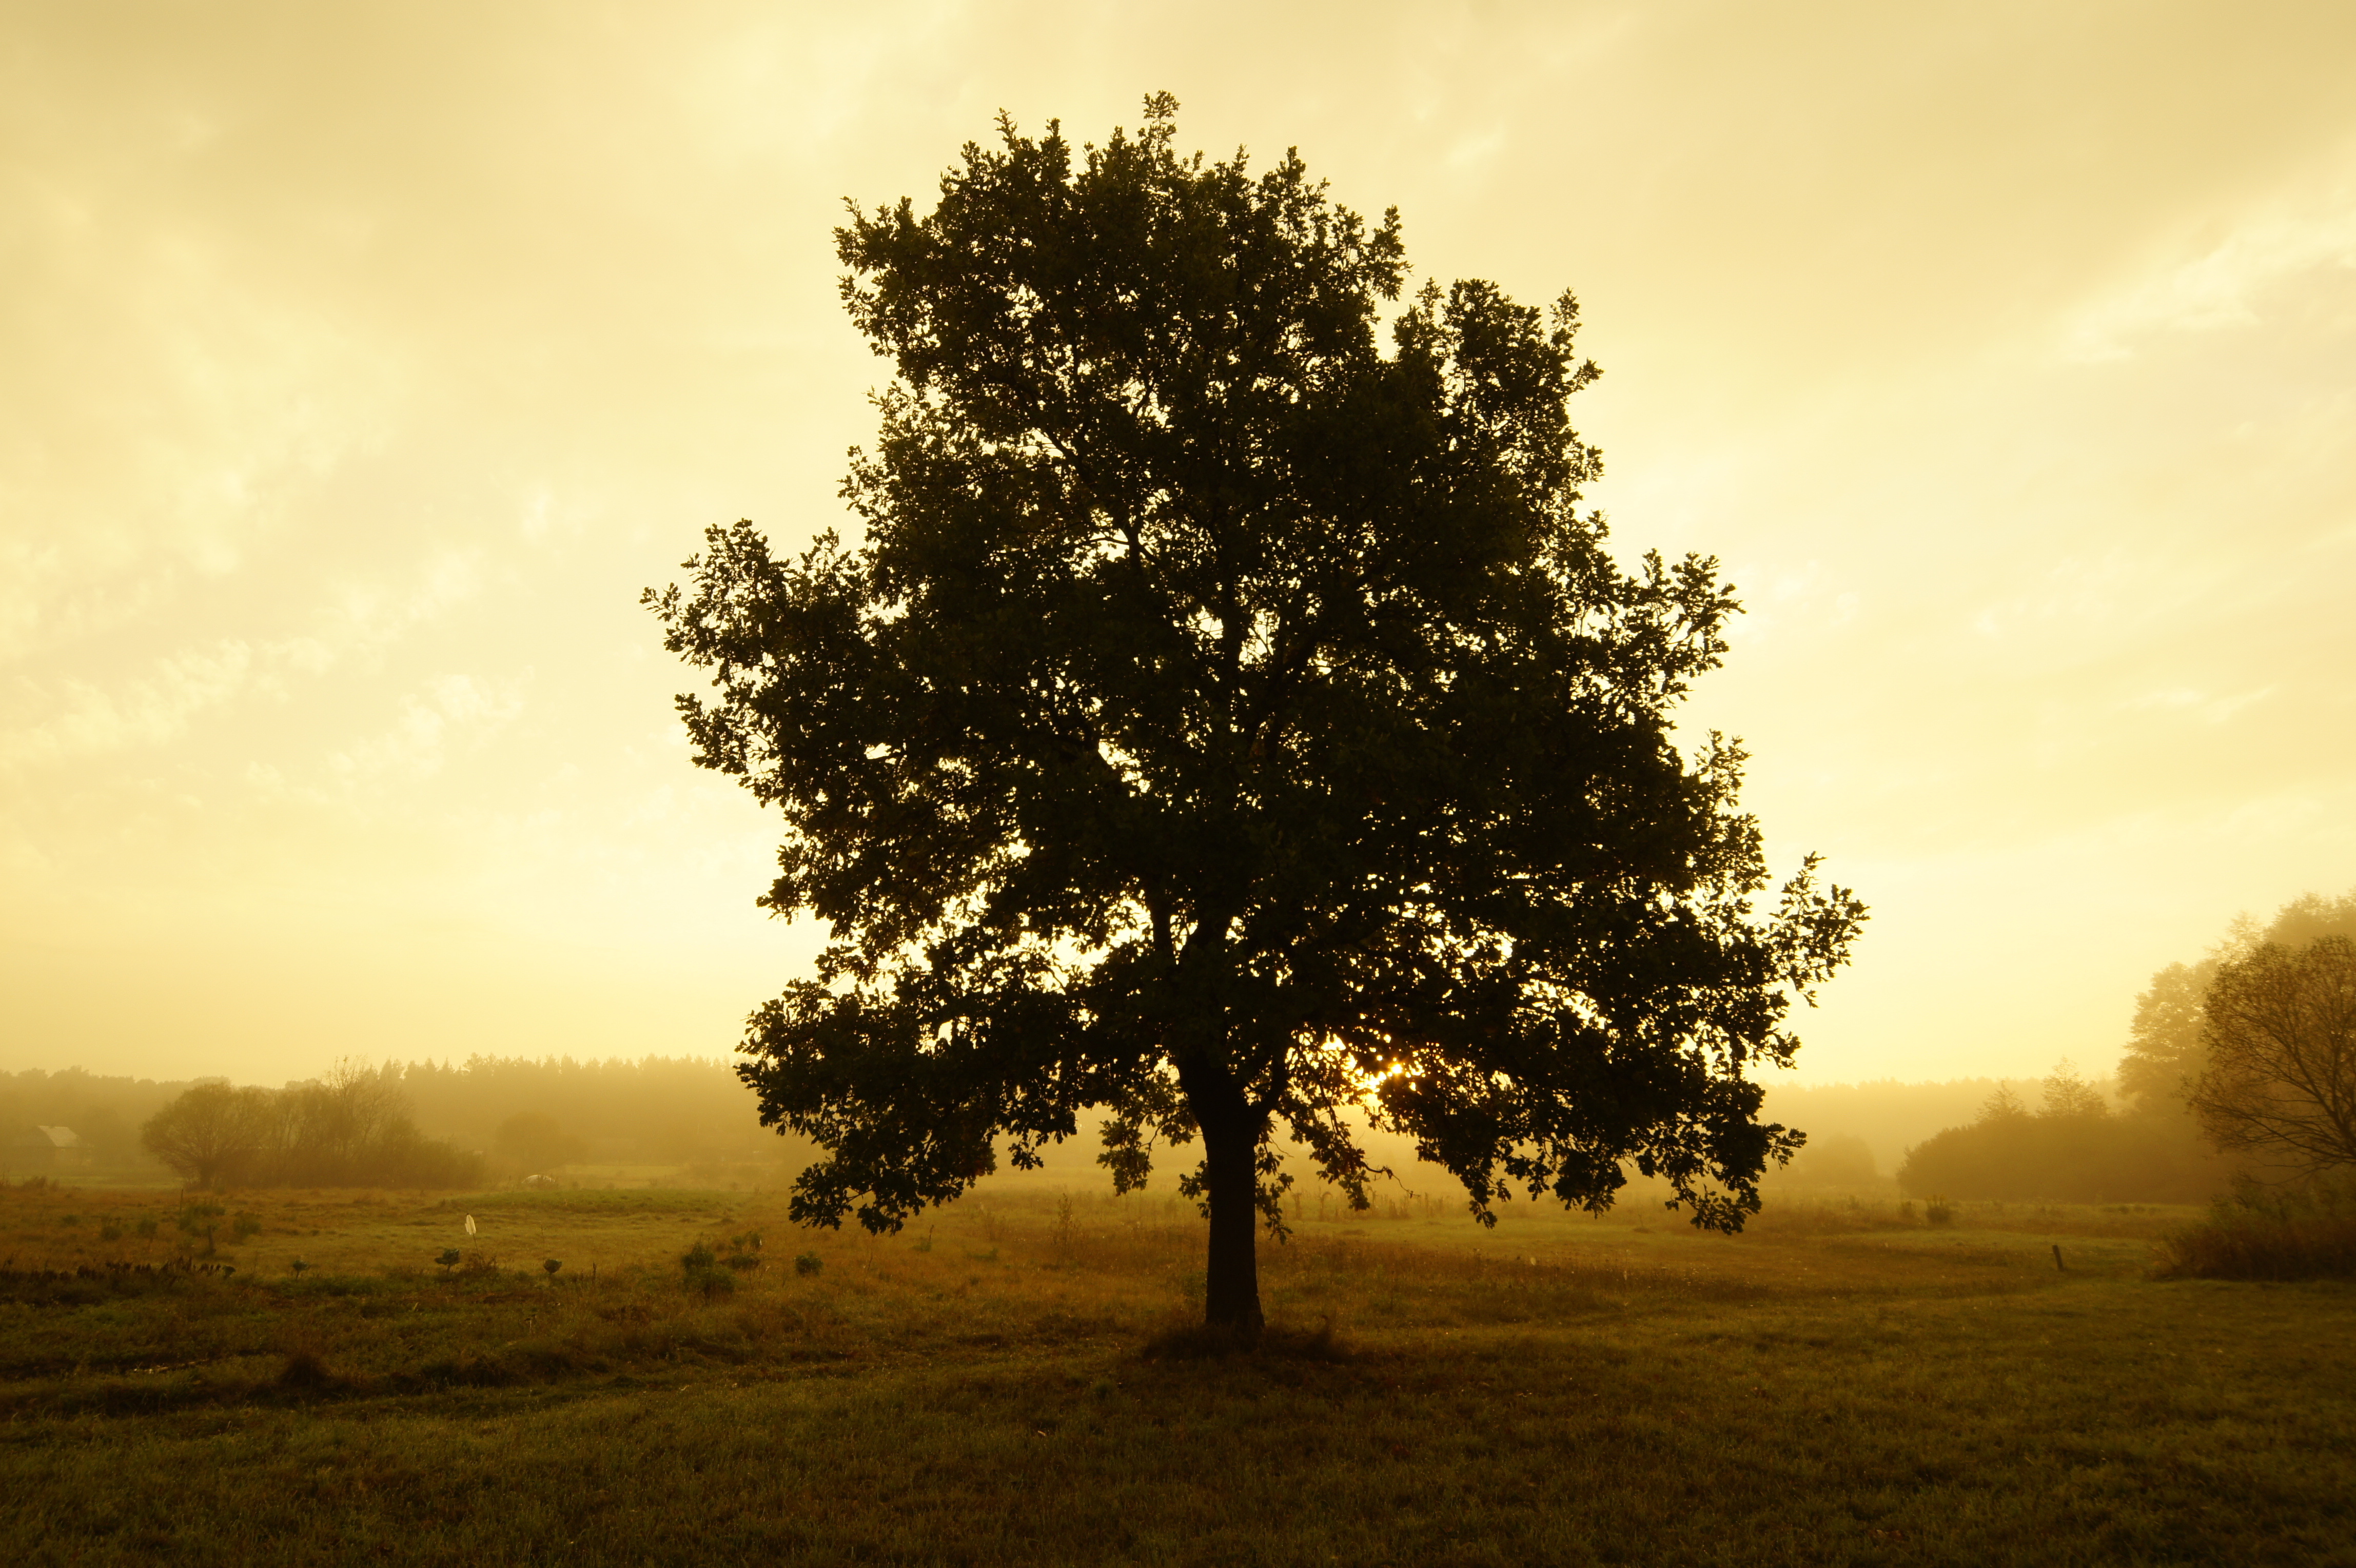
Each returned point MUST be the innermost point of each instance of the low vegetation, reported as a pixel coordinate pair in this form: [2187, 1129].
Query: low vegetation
[1015, 1380]
[2301, 1231]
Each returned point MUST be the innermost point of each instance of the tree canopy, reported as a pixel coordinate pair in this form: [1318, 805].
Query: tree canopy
[2279, 1031]
[1225, 724]
[2169, 1045]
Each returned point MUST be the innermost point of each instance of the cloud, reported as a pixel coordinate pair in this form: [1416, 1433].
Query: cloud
[151, 711]
[450, 711]
[85, 718]
[367, 617]
[2204, 706]
[2222, 287]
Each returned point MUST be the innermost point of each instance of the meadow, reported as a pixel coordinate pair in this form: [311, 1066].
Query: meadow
[1013, 1381]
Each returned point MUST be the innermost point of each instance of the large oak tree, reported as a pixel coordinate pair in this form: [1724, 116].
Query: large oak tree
[1224, 725]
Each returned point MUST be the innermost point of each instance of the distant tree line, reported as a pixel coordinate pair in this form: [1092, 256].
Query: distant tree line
[2073, 1147]
[520, 1115]
[530, 1114]
[2241, 1066]
[1859, 1133]
[352, 1128]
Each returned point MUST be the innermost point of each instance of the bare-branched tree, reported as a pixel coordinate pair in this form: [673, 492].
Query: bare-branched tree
[212, 1133]
[2281, 1032]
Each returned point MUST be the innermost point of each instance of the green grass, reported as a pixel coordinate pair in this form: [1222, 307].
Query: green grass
[1004, 1385]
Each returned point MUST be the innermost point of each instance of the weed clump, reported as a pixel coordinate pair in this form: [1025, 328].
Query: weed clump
[305, 1372]
[809, 1263]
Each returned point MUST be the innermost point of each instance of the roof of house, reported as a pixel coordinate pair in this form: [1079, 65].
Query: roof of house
[46, 1138]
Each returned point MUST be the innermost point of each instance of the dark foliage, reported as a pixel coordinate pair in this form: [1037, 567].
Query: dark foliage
[1224, 723]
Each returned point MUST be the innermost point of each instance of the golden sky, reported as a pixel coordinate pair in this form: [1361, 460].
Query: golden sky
[360, 363]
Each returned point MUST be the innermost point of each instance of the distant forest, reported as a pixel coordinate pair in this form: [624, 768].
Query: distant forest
[689, 1115]
[515, 1113]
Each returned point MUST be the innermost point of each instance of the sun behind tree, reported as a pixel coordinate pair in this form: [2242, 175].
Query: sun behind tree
[1225, 725]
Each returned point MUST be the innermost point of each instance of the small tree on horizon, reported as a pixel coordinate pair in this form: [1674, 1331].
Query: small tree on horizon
[211, 1134]
[2066, 1093]
[1225, 723]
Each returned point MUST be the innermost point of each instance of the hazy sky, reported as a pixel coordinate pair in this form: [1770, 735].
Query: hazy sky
[360, 363]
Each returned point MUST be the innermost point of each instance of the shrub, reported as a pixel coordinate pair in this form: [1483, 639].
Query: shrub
[200, 1219]
[701, 1266]
[809, 1263]
[2270, 1233]
[1937, 1211]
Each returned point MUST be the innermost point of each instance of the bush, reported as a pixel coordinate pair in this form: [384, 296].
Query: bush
[809, 1263]
[200, 1219]
[701, 1266]
[2270, 1233]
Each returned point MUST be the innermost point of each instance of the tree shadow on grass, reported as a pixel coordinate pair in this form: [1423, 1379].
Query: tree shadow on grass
[1276, 1342]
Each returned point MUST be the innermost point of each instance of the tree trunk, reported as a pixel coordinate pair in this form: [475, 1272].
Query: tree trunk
[1230, 1151]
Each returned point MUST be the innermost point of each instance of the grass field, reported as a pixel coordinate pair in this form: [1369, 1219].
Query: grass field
[1004, 1385]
